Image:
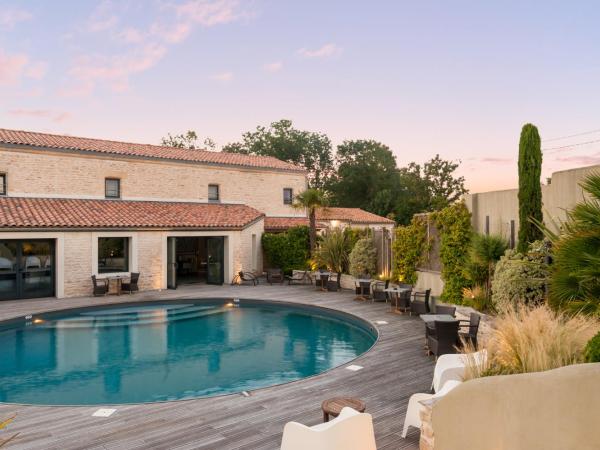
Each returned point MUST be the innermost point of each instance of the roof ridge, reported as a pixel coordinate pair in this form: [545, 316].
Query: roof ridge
[191, 153]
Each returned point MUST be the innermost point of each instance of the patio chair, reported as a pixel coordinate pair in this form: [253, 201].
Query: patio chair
[351, 430]
[242, 277]
[363, 290]
[132, 286]
[413, 416]
[472, 325]
[332, 283]
[442, 338]
[452, 367]
[100, 286]
[275, 276]
[298, 276]
[420, 302]
[445, 309]
[378, 291]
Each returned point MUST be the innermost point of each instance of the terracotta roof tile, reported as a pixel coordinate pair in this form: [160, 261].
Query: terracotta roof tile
[283, 223]
[33, 139]
[352, 215]
[19, 212]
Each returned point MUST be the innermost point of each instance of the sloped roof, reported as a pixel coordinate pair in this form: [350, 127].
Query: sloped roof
[352, 215]
[55, 141]
[35, 213]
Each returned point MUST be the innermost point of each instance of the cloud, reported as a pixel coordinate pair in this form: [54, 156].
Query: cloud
[115, 70]
[210, 13]
[11, 67]
[496, 160]
[54, 116]
[273, 67]
[223, 77]
[37, 70]
[10, 17]
[584, 160]
[141, 47]
[326, 51]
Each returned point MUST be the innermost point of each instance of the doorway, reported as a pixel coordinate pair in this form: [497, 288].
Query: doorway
[195, 259]
[26, 268]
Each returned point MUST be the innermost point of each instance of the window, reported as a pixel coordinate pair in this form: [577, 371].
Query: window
[213, 192]
[2, 184]
[288, 196]
[487, 225]
[112, 188]
[113, 254]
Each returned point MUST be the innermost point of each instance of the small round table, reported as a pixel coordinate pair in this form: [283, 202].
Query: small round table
[333, 406]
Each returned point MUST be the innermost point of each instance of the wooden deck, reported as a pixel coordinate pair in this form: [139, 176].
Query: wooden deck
[393, 370]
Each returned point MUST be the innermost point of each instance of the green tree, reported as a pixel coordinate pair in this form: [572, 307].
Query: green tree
[363, 258]
[530, 188]
[366, 177]
[575, 271]
[189, 140]
[486, 251]
[281, 140]
[443, 186]
[310, 200]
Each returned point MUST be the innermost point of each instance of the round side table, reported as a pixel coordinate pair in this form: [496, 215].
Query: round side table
[333, 406]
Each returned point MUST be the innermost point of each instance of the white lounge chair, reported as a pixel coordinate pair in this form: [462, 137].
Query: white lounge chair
[413, 419]
[452, 367]
[351, 430]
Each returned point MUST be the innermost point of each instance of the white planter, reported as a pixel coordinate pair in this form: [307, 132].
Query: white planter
[347, 281]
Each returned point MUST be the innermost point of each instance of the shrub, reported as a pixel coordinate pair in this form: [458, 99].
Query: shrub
[592, 349]
[476, 298]
[520, 278]
[288, 250]
[535, 339]
[486, 250]
[454, 225]
[332, 251]
[363, 258]
[409, 247]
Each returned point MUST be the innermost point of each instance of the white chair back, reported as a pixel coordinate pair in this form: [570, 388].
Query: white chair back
[351, 430]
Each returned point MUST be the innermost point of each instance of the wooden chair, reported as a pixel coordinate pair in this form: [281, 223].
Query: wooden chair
[132, 286]
[100, 286]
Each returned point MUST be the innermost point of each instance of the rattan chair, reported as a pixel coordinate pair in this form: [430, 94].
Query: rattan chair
[420, 302]
[472, 325]
[275, 276]
[443, 337]
[132, 285]
[100, 286]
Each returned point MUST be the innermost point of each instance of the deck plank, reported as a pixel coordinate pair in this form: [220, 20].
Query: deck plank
[394, 369]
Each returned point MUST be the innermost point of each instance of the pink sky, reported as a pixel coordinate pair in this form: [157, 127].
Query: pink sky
[458, 79]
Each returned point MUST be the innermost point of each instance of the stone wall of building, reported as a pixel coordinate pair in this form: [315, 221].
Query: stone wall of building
[35, 173]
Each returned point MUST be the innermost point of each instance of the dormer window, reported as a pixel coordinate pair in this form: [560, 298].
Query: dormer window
[213, 193]
[112, 188]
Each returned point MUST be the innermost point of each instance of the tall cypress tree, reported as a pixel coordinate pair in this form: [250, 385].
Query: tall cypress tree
[530, 188]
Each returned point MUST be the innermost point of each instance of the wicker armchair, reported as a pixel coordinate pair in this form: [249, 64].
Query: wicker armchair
[100, 286]
[420, 302]
[443, 337]
[132, 286]
[472, 326]
[275, 276]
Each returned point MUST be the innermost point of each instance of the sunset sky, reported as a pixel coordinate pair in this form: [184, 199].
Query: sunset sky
[458, 78]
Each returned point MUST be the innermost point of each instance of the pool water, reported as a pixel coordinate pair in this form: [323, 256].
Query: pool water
[169, 351]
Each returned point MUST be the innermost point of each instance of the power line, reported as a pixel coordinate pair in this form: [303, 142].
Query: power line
[571, 136]
[572, 145]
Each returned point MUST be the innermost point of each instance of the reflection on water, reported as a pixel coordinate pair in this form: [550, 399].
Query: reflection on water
[166, 352]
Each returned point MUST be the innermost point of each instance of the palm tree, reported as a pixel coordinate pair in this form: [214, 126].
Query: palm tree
[575, 272]
[310, 200]
[487, 250]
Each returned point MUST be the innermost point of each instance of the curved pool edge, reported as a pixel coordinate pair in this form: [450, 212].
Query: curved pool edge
[368, 326]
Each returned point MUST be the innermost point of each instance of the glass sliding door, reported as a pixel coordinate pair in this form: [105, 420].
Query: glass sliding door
[215, 250]
[26, 268]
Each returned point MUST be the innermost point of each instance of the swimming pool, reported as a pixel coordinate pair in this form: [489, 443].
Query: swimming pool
[161, 351]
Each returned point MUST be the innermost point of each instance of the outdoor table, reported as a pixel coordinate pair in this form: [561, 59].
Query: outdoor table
[429, 318]
[393, 295]
[118, 279]
[333, 406]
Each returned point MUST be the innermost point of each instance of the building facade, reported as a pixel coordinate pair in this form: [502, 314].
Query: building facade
[75, 207]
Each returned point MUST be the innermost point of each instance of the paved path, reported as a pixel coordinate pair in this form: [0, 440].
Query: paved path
[393, 370]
